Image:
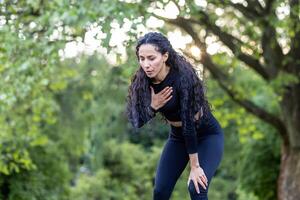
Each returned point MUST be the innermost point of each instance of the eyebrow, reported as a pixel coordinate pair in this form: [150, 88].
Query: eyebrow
[147, 56]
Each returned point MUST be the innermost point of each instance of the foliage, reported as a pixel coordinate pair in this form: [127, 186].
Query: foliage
[260, 166]
[127, 173]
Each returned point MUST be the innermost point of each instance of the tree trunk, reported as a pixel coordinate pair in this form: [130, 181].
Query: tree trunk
[289, 178]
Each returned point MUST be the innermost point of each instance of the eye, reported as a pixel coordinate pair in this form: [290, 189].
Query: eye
[152, 58]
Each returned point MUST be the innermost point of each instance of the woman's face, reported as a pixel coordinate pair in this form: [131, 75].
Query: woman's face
[151, 60]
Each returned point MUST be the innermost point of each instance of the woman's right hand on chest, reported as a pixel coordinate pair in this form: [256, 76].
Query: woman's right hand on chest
[159, 99]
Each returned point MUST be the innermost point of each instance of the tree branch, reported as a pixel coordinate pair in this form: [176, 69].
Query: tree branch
[248, 11]
[230, 41]
[258, 5]
[269, 4]
[295, 38]
[254, 10]
[272, 51]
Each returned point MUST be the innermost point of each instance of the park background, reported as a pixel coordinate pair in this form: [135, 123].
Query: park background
[65, 68]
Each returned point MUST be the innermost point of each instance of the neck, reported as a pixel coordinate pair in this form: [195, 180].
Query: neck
[162, 74]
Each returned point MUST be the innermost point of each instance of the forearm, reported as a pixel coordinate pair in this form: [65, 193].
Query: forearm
[138, 123]
[194, 162]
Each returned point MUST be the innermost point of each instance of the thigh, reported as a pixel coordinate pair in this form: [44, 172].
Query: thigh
[173, 161]
[210, 153]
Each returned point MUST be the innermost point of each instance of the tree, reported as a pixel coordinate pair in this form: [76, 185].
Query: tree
[33, 153]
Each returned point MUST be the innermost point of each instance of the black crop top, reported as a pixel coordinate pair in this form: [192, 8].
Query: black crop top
[178, 107]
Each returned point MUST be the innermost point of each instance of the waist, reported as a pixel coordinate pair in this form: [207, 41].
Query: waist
[203, 127]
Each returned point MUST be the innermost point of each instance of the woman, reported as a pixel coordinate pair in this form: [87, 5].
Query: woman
[167, 83]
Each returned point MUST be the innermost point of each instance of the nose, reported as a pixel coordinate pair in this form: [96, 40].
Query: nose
[147, 64]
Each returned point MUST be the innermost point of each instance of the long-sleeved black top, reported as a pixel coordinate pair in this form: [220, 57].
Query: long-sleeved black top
[178, 108]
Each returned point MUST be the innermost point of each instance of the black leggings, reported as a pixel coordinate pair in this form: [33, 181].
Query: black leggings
[174, 159]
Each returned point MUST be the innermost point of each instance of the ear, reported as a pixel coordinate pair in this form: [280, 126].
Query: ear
[166, 56]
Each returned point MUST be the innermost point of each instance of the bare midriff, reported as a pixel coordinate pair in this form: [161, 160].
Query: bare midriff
[179, 123]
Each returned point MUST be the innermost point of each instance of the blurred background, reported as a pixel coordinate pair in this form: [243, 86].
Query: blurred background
[65, 68]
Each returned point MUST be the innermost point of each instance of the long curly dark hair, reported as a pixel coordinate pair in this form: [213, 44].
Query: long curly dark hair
[139, 93]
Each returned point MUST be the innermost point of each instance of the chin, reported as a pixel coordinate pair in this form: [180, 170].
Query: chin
[150, 75]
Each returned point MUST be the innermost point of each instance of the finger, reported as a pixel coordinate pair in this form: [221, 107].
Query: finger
[167, 94]
[203, 179]
[201, 183]
[206, 179]
[196, 186]
[204, 175]
[166, 100]
[188, 182]
[165, 90]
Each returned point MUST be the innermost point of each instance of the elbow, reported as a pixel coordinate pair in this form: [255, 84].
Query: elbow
[139, 124]
[136, 124]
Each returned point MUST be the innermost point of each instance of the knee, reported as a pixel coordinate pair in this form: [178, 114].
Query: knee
[193, 191]
[161, 193]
